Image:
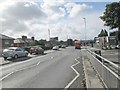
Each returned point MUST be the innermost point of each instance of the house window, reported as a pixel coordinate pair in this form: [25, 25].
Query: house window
[6, 42]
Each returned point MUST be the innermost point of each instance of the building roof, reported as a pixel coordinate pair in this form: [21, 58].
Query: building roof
[29, 40]
[5, 37]
[19, 40]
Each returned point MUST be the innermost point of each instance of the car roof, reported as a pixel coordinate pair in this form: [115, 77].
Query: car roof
[13, 47]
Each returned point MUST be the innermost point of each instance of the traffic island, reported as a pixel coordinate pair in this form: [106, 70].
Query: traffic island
[91, 77]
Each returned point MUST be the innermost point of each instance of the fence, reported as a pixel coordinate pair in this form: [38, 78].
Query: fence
[109, 77]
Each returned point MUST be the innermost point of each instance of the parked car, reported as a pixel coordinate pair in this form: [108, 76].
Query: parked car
[63, 46]
[56, 48]
[36, 50]
[14, 52]
[117, 47]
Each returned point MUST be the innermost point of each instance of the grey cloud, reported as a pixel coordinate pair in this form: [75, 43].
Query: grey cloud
[22, 12]
[15, 15]
[15, 26]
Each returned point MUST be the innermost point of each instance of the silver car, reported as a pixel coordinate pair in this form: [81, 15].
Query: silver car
[56, 48]
[14, 52]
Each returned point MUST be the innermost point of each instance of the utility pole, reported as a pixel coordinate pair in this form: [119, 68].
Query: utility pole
[85, 30]
[67, 37]
[49, 33]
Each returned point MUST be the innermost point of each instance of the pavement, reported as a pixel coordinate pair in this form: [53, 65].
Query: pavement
[91, 77]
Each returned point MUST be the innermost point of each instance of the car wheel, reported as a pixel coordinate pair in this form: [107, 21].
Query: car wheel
[42, 53]
[37, 53]
[16, 56]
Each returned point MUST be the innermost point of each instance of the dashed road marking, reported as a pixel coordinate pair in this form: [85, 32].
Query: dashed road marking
[51, 57]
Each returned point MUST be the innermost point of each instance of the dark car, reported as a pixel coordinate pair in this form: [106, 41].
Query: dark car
[36, 50]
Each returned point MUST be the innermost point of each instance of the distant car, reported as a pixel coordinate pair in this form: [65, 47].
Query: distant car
[117, 47]
[63, 46]
[56, 48]
[36, 50]
[14, 52]
[113, 46]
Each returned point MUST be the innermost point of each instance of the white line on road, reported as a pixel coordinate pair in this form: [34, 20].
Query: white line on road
[16, 63]
[13, 64]
[51, 57]
[38, 62]
[19, 71]
[6, 76]
[75, 72]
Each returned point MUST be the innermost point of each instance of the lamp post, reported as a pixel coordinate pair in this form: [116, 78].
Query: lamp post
[85, 30]
[49, 33]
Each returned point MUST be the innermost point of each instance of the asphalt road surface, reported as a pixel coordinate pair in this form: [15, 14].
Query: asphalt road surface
[54, 70]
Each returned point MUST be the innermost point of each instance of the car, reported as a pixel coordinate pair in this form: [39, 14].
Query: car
[36, 50]
[113, 46]
[14, 52]
[56, 48]
[63, 46]
[117, 47]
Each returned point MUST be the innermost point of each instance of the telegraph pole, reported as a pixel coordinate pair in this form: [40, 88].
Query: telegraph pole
[85, 30]
[49, 33]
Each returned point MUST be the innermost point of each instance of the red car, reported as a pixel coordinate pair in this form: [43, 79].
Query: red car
[36, 50]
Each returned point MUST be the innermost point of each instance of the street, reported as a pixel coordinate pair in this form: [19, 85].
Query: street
[52, 70]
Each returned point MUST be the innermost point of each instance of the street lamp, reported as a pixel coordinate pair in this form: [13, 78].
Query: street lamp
[49, 33]
[85, 30]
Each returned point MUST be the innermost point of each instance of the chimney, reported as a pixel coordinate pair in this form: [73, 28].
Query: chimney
[33, 38]
[24, 38]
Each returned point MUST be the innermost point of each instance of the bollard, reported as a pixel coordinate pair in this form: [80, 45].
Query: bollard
[99, 53]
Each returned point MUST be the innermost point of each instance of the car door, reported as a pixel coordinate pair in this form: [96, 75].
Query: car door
[22, 52]
[19, 52]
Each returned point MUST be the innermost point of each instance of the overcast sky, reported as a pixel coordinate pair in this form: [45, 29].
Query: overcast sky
[64, 18]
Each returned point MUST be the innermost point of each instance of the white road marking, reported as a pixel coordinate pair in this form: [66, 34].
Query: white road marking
[13, 64]
[38, 62]
[6, 76]
[16, 63]
[75, 72]
[19, 71]
[51, 57]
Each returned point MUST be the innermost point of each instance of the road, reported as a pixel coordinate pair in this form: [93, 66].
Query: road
[54, 70]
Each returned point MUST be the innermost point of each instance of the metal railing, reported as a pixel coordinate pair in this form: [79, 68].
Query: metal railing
[109, 77]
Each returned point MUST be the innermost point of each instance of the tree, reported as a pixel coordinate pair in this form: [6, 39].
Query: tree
[113, 33]
[111, 16]
[70, 42]
[42, 42]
